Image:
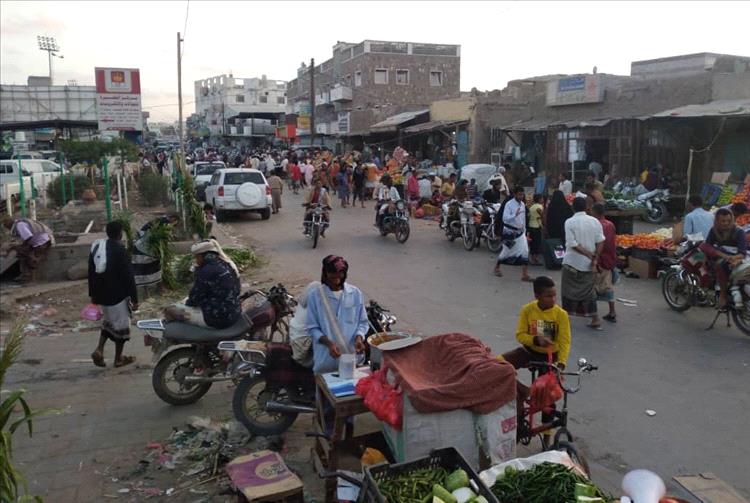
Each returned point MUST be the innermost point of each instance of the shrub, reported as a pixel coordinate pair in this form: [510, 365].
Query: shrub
[153, 189]
[80, 183]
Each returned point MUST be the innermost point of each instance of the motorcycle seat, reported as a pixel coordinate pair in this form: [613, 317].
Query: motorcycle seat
[186, 332]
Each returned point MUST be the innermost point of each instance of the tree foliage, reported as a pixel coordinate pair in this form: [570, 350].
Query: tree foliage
[92, 151]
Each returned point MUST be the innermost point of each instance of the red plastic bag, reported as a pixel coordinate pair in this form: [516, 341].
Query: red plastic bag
[545, 390]
[381, 398]
[91, 312]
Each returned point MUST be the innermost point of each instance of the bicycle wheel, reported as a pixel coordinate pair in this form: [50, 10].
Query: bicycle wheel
[576, 456]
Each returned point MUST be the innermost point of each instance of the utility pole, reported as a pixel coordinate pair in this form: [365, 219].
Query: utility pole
[49, 45]
[312, 101]
[179, 94]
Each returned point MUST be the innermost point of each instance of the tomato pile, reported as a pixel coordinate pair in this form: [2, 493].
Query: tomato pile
[742, 196]
[644, 241]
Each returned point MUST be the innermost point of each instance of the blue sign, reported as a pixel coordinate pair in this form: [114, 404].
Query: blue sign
[571, 84]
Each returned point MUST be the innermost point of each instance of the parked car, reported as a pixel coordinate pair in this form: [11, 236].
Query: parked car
[27, 155]
[481, 173]
[239, 189]
[9, 175]
[42, 170]
[202, 173]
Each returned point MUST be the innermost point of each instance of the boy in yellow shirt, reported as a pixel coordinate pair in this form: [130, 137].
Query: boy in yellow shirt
[543, 328]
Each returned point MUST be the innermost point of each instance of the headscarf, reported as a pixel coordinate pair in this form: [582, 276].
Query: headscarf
[558, 212]
[333, 264]
[212, 246]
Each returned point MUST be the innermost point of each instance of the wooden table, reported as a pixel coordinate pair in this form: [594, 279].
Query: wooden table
[329, 450]
[623, 219]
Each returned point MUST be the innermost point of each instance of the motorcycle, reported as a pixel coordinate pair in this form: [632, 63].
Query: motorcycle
[274, 389]
[317, 224]
[449, 221]
[461, 219]
[489, 226]
[396, 222]
[186, 356]
[690, 282]
[656, 205]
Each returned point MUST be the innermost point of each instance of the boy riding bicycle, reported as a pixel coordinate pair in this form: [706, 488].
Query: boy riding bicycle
[543, 328]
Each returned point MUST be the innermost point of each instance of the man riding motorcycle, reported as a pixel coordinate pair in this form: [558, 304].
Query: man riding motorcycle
[387, 197]
[214, 300]
[726, 247]
[316, 195]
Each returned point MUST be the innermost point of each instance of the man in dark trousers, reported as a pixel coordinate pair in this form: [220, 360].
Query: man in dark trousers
[112, 286]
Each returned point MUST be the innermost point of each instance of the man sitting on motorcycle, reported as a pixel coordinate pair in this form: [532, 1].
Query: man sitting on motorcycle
[387, 197]
[317, 194]
[725, 246]
[543, 329]
[214, 300]
[336, 316]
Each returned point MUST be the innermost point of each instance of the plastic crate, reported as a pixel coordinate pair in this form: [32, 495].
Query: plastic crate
[448, 458]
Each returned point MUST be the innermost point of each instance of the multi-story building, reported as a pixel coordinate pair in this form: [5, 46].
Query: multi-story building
[230, 106]
[365, 83]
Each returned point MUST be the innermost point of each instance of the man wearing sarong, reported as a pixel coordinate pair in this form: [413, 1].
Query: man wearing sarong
[515, 250]
[584, 241]
[112, 286]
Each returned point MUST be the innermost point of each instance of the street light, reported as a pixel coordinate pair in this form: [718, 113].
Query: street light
[49, 44]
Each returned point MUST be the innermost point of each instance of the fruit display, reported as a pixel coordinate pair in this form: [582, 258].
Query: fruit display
[743, 220]
[742, 196]
[725, 196]
[661, 238]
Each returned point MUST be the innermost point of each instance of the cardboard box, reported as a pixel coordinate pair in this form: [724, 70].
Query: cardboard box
[643, 268]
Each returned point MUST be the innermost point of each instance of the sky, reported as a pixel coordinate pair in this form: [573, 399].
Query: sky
[500, 41]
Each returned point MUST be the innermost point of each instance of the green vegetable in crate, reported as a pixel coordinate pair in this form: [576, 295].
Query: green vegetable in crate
[545, 482]
[441, 492]
[463, 495]
[414, 486]
[456, 480]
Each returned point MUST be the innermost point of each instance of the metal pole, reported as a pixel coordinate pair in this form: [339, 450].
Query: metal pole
[70, 179]
[107, 195]
[689, 172]
[119, 190]
[125, 190]
[312, 101]
[33, 189]
[179, 92]
[22, 190]
[49, 55]
[62, 178]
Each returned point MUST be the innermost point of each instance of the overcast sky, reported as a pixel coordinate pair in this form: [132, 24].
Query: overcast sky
[500, 41]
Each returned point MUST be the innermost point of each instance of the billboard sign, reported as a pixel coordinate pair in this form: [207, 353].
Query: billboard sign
[575, 90]
[118, 99]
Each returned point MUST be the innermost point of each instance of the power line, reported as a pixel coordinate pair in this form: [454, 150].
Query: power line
[184, 28]
[170, 104]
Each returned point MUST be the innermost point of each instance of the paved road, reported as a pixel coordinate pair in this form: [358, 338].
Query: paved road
[653, 358]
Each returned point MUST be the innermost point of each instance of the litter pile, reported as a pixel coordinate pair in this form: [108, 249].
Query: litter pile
[188, 463]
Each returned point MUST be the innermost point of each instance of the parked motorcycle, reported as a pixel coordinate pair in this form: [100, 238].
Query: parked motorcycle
[461, 219]
[187, 356]
[396, 222]
[690, 282]
[488, 229]
[317, 224]
[274, 388]
[656, 205]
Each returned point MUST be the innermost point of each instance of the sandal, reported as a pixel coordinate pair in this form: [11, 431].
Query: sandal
[125, 360]
[498, 274]
[595, 327]
[611, 318]
[98, 359]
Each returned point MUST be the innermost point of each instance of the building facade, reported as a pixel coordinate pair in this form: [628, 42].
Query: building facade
[229, 106]
[365, 83]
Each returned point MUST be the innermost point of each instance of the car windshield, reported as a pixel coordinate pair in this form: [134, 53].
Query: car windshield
[239, 178]
[207, 169]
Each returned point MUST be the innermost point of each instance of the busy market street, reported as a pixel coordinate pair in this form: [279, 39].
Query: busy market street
[652, 359]
[398, 261]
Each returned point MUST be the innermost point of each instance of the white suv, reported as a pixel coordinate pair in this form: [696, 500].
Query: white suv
[239, 189]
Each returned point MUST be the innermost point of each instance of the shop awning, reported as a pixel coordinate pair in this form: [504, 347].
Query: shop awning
[543, 125]
[392, 122]
[434, 126]
[719, 108]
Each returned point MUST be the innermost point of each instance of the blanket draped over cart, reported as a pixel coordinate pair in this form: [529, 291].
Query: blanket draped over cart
[453, 371]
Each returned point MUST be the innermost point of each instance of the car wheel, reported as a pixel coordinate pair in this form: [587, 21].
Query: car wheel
[265, 213]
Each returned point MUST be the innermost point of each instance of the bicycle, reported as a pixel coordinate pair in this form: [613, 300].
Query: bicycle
[559, 418]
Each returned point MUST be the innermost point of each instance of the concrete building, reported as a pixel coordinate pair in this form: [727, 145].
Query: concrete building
[229, 106]
[666, 107]
[366, 83]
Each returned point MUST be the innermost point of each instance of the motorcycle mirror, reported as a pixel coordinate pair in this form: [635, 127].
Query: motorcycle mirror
[582, 362]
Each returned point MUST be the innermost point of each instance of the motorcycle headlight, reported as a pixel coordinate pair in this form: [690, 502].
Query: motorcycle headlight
[400, 205]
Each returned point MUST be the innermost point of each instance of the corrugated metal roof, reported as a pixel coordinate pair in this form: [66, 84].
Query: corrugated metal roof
[543, 125]
[393, 121]
[720, 108]
[433, 125]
